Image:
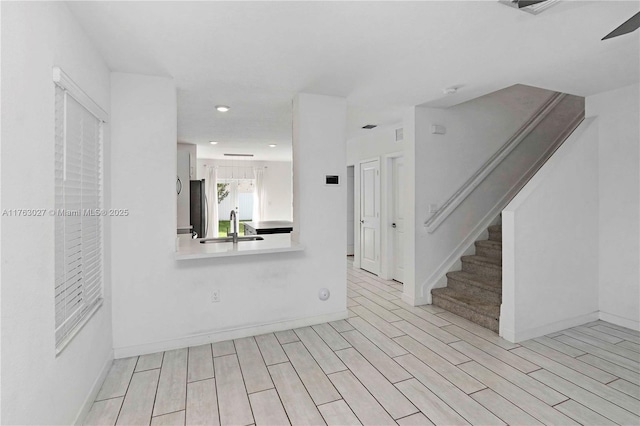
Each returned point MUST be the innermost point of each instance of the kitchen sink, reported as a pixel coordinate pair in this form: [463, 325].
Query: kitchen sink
[230, 239]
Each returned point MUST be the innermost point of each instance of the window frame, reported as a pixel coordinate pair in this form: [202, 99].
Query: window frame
[89, 304]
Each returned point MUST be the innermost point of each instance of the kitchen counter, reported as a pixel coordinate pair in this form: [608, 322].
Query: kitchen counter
[276, 243]
[268, 227]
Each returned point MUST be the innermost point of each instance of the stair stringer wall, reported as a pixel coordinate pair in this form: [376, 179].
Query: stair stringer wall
[501, 186]
[550, 244]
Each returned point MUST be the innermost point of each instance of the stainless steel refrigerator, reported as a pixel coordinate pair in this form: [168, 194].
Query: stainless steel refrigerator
[198, 206]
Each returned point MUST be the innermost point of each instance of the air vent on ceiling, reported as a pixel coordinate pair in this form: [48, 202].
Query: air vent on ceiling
[238, 155]
[369, 126]
[530, 6]
[399, 135]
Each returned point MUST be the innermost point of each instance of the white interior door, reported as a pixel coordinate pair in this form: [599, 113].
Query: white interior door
[397, 219]
[370, 216]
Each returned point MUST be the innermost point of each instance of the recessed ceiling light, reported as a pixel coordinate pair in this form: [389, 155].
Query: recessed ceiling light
[213, 142]
[222, 108]
[273, 145]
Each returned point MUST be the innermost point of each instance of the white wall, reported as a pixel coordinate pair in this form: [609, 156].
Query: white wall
[161, 303]
[619, 187]
[319, 210]
[411, 164]
[571, 237]
[350, 209]
[550, 243]
[278, 186]
[475, 130]
[192, 149]
[37, 386]
[373, 143]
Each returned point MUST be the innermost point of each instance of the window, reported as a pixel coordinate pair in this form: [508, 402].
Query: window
[78, 208]
[240, 198]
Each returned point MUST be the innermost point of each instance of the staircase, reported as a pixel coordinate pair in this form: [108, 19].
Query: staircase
[475, 293]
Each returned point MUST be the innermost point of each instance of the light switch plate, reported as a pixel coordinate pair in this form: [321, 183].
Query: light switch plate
[438, 129]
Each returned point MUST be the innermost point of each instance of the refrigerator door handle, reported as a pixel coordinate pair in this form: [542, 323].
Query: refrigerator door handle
[206, 216]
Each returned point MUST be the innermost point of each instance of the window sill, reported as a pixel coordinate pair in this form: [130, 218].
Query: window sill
[65, 342]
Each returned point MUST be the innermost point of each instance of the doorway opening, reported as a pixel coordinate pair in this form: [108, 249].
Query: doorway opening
[396, 211]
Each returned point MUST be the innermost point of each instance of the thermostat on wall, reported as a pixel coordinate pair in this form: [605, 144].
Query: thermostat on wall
[332, 180]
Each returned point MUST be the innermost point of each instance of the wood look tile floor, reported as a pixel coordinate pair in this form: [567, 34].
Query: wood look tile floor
[389, 363]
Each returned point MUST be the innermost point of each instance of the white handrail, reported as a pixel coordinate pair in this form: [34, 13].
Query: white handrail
[472, 183]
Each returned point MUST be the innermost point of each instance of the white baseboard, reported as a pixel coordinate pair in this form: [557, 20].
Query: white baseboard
[221, 335]
[621, 321]
[513, 337]
[416, 301]
[95, 388]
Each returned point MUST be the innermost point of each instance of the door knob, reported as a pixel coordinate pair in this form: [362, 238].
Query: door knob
[362, 221]
[393, 225]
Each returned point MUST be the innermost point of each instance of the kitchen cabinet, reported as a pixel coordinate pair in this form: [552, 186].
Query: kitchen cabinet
[268, 227]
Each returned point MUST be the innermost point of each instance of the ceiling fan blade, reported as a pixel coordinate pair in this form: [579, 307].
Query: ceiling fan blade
[525, 3]
[628, 26]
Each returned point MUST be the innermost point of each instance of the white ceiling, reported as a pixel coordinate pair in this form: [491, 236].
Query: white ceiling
[381, 56]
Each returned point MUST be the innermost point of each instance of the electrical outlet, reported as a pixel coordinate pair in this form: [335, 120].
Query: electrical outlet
[215, 296]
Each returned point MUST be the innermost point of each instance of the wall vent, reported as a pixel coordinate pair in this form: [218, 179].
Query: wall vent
[369, 126]
[533, 7]
[238, 155]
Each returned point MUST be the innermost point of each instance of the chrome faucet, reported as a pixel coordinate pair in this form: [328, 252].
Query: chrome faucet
[234, 218]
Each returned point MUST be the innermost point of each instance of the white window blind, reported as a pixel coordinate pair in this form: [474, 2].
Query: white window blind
[78, 201]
